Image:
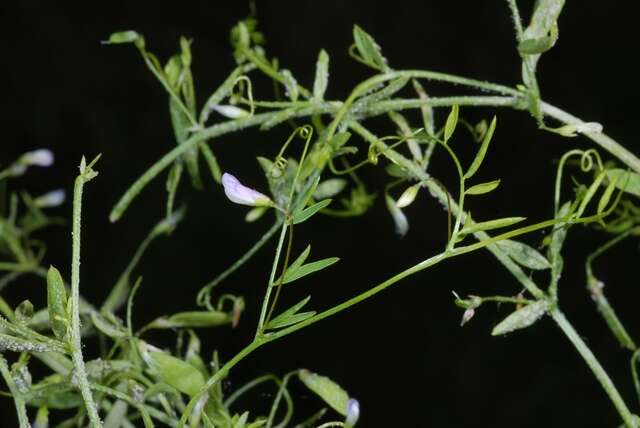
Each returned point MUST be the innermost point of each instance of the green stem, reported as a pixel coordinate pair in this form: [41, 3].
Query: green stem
[597, 369]
[218, 376]
[146, 412]
[266, 68]
[376, 80]
[442, 197]
[515, 16]
[158, 75]
[261, 118]
[602, 303]
[18, 400]
[634, 372]
[197, 138]
[287, 256]
[118, 294]
[7, 173]
[272, 276]
[398, 104]
[203, 294]
[461, 182]
[603, 140]
[75, 333]
[360, 297]
[15, 267]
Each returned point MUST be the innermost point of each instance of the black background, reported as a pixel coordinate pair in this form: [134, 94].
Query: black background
[402, 353]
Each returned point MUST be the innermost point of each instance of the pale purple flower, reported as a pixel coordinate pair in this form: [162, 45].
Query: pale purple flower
[50, 199]
[40, 157]
[353, 412]
[241, 194]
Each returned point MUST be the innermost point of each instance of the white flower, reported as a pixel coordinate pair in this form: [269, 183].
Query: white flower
[400, 220]
[241, 194]
[353, 412]
[40, 157]
[50, 199]
[467, 315]
[582, 128]
[232, 112]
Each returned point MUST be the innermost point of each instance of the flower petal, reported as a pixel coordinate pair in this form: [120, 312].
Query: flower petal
[40, 157]
[241, 194]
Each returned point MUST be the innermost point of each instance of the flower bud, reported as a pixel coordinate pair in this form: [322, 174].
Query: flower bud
[353, 412]
[232, 112]
[42, 418]
[467, 315]
[40, 157]
[243, 195]
[50, 199]
[408, 196]
[399, 219]
[582, 128]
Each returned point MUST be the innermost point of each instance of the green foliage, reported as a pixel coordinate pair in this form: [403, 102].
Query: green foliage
[329, 391]
[133, 380]
[57, 303]
[521, 318]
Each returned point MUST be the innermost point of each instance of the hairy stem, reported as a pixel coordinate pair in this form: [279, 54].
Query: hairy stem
[595, 366]
[601, 139]
[203, 295]
[21, 408]
[218, 376]
[272, 277]
[75, 333]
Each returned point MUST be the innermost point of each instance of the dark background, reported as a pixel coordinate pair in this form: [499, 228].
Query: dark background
[402, 353]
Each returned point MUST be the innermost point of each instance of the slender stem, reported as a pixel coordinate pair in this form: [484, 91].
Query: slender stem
[442, 197]
[398, 104]
[75, 333]
[18, 400]
[262, 118]
[515, 16]
[7, 172]
[218, 376]
[203, 295]
[144, 410]
[197, 138]
[634, 372]
[248, 386]
[461, 183]
[267, 69]
[151, 66]
[15, 267]
[285, 265]
[118, 294]
[603, 140]
[282, 392]
[360, 297]
[595, 287]
[597, 369]
[272, 276]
